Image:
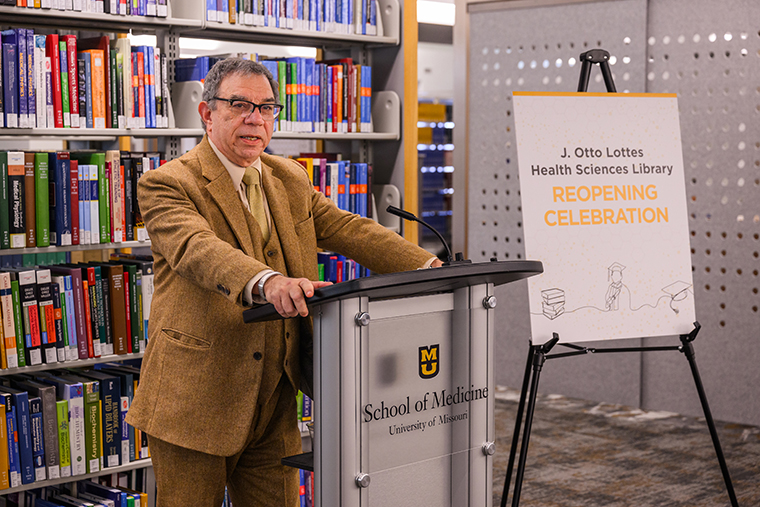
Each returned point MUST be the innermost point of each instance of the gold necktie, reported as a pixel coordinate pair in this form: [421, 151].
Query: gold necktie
[256, 200]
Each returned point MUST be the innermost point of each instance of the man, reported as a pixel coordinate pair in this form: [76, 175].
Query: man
[216, 395]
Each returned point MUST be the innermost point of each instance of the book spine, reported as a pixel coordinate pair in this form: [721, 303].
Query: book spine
[120, 111]
[124, 408]
[75, 397]
[113, 119]
[23, 84]
[92, 181]
[42, 198]
[9, 331]
[38, 441]
[60, 326]
[61, 166]
[30, 207]
[64, 441]
[14, 465]
[111, 399]
[5, 223]
[18, 322]
[71, 60]
[71, 320]
[75, 196]
[92, 426]
[16, 197]
[30, 315]
[4, 455]
[10, 85]
[65, 90]
[21, 403]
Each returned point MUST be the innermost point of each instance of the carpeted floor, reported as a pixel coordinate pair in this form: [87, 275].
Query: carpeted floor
[586, 454]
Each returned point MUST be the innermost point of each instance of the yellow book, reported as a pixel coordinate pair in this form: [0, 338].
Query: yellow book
[308, 164]
[4, 482]
[98, 80]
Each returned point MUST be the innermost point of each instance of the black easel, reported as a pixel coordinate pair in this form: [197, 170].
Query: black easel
[538, 354]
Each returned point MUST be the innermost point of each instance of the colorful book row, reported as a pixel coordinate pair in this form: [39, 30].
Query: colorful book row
[51, 81]
[154, 8]
[71, 198]
[324, 96]
[347, 184]
[330, 16]
[86, 493]
[66, 423]
[65, 312]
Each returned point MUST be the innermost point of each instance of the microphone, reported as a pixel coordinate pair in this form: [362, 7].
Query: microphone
[409, 216]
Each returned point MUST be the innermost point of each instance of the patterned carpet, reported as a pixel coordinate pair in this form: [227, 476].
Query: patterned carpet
[585, 454]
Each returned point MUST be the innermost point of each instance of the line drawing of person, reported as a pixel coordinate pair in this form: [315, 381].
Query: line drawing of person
[615, 277]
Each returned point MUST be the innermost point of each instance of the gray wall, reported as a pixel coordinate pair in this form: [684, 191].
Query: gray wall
[709, 54]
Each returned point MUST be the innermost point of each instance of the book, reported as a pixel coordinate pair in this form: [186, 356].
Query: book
[77, 305]
[14, 465]
[99, 91]
[92, 419]
[103, 45]
[115, 495]
[114, 274]
[70, 44]
[10, 83]
[38, 441]
[42, 198]
[64, 440]
[47, 396]
[125, 50]
[59, 174]
[69, 321]
[17, 317]
[9, 328]
[30, 206]
[126, 382]
[4, 463]
[73, 393]
[48, 335]
[61, 340]
[20, 403]
[84, 65]
[5, 224]
[110, 397]
[52, 51]
[116, 192]
[16, 198]
[65, 90]
[30, 313]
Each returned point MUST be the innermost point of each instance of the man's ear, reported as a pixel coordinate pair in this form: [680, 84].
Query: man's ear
[205, 111]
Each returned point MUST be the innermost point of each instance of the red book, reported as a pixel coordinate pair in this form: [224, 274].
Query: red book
[51, 50]
[141, 86]
[71, 57]
[122, 197]
[127, 308]
[336, 72]
[74, 176]
[87, 317]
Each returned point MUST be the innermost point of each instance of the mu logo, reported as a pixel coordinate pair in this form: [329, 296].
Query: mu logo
[429, 361]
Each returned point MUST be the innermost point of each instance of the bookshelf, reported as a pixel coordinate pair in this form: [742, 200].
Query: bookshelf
[384, 147]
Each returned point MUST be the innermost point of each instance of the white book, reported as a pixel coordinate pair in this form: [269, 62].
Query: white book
[40, 85]
[6, 301]
[94, 204]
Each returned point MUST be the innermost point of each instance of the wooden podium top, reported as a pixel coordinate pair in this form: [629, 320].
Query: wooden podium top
[412, 283]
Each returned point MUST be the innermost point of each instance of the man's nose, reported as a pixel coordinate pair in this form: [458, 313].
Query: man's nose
[255, 117]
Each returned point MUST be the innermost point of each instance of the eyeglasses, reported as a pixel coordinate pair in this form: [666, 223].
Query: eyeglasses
[245, 108]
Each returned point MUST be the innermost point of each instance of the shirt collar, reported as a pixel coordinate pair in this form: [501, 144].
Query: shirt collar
[235, 171]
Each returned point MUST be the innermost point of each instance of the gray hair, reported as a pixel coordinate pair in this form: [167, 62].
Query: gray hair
[227, 67]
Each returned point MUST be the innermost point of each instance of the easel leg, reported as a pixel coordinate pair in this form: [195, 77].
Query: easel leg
[518, 420]
[688, 350]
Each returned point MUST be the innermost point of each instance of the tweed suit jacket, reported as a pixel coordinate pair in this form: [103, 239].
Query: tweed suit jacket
[200, 381]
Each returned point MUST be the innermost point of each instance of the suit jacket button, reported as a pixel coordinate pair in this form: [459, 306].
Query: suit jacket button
[271, 253]
[257, 356]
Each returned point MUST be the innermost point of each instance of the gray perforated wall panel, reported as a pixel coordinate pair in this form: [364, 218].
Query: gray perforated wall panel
[709, 54]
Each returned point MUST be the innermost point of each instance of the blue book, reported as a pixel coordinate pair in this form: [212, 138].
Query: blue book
[150, 95]
[14, 472]
[23, 85]
[324, 259]
[364, 197]
[342, 186]
[367, 97]
[117, 496]
[352, 197]
[210, 10]
[10, 82]
[60, 177]
[84, 234]
[38, 438]
[38, 502]
[31, 96]
[71, 325]
[86, 58]
[20, 402]
[127, 391]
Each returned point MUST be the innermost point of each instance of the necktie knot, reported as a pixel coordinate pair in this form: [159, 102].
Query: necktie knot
[251, 176]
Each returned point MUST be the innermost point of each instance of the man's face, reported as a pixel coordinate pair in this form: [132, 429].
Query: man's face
[240, 139]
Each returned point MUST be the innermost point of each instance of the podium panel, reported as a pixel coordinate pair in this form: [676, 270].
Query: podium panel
[415, 391]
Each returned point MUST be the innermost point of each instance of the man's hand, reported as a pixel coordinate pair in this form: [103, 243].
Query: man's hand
[288, 295]
[436, 263]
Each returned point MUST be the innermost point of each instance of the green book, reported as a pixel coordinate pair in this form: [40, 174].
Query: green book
[92, 447]
[17, 321]
[294, 93]
[283, 89]
[65, 86]
[5, 222]
[114, 93]
[64, 443]
[42, 198]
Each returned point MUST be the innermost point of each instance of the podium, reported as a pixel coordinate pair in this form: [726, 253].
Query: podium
[404, 386]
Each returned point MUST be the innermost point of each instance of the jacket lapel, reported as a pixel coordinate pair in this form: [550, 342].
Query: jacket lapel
[225, 195]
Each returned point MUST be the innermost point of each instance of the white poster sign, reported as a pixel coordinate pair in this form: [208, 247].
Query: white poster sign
[604, 209]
